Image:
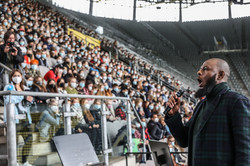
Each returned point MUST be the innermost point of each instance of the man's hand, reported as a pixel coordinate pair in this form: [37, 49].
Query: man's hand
[174, 102]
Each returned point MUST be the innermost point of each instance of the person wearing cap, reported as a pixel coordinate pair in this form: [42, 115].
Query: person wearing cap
[55, 73]
[33, 71]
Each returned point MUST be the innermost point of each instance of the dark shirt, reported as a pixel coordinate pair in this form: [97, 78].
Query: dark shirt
[10, 60]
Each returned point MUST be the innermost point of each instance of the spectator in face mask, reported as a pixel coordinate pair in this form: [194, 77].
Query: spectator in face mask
[154, 129]
[49, 118]
[33, 71]
[101, 90]
[22, 47]
[23, 127]
[38, 86]
[72, 85]
[115, 90]
[120, 111]
[139, 108]
[95, 110]
[51, 86]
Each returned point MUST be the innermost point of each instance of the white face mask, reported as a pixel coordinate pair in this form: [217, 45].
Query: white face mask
[156, 120]
[54, 108]
[17, 80]
[87, 106]
[73, 85]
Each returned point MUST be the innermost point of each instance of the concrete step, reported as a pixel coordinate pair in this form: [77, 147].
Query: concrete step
[35, 137]
[3, 139]
[49, 159]
[38, 149]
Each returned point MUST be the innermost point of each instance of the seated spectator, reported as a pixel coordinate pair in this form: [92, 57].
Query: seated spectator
[51, 86]
[139, 108]
[39, 86]
[61, 86]
[115, 90]
[109, 107]
[55, 73]
[177, 158]
[135, 133]
[123, 93]
[163, 127]
[29, 81]
[109, 80]
[81, 85]
[101, 90]
[72, 85]
[154, 129]
[91, 76]
[33, 71]
[107, 90]
[50, 117]
[78, 121]
[22, 46]
[87, 90]
[120, 111]
[11, 55]
[148, 107]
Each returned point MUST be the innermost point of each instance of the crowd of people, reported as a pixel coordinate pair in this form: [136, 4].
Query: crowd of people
[34, 39]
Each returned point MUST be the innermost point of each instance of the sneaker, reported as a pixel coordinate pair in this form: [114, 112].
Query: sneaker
[27, 164]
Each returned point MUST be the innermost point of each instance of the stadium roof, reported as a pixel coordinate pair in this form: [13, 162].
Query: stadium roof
[161, 10]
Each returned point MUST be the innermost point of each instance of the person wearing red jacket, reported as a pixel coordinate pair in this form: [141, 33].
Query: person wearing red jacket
[55, 73]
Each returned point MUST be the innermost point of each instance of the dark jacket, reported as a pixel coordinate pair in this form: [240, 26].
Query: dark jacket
[96, 114]
[154, 130]
[12, 61]
[223, 136]
[38, 99]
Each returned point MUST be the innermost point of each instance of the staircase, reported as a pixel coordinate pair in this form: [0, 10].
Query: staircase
[40, 153]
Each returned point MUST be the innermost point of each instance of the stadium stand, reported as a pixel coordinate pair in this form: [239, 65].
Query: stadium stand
[56, 61]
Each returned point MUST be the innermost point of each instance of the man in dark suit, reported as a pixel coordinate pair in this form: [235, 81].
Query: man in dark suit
[218, 133]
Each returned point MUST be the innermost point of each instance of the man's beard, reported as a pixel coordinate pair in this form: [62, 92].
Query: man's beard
[207, 88]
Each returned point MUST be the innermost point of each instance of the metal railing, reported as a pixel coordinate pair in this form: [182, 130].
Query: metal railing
[11, 121]
[4, 71]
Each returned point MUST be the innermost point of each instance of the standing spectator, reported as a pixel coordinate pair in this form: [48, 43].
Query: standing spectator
[95, 110]
[11, 55]
[17, 84]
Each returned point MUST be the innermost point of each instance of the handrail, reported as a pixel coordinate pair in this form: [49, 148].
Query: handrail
[5, 67]
[43, 94]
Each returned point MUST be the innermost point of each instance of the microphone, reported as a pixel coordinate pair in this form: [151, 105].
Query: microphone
[178, 94]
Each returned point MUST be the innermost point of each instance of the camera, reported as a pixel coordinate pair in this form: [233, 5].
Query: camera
[11, 45]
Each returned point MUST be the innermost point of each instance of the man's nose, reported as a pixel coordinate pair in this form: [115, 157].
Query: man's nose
[199, 72]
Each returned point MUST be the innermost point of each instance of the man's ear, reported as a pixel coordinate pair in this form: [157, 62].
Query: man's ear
[221, 75]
